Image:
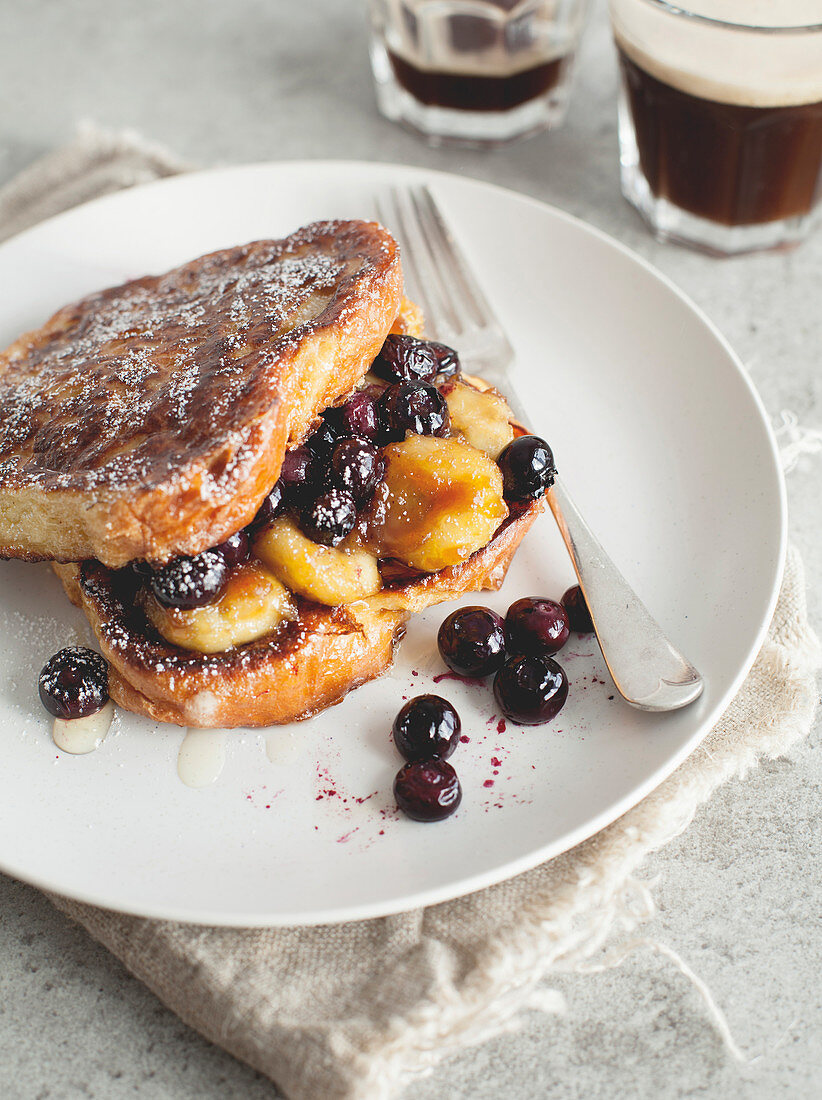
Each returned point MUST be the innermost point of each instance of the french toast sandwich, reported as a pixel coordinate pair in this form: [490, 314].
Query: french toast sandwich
[149, 420]
[249, 472]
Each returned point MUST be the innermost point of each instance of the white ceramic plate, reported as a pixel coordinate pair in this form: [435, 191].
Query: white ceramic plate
[658, 433]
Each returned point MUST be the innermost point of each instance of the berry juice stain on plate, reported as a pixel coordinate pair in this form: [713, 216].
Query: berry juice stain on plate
[263, 799]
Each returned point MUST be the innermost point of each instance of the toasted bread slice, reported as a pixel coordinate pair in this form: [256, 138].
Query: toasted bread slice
[307, 666]
[149, 420]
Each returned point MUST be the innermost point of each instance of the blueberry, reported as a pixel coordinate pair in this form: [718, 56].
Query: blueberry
[405, 358]
[580, 617]
[536, 625]
[330, 517]
[448, 362]
[531, 690]
[359, 416]
[427, 790]
[298, 475]
[427, 726]
[414, 407]
[355, 466]
[74, 683]
[527, 467]
[234, 549]
[191, 582]
[471, 641]
[322, 441]
[270, 508]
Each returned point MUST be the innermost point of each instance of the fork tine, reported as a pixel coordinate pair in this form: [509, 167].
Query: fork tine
[483, 343]
[389, 215]
[455, 307]
[436, 253]
[438, 310]
[441, 246]
[463, 281]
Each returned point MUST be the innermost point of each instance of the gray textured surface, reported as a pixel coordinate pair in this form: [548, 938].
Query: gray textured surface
[741, 890]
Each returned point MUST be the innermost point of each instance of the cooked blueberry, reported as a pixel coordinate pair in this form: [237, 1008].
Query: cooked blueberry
[580, 617]
[359, 416]
[74, 683]
[355, 466]
[191, 582]
[330, 517]
[427, 726]
[322, 441]
[536, 625]
[413, 407]
[234, 549]
[298, 474]
[530, 689]
[427, 790]
[404, 358]
[142, 569]
[527, 468]
[448, 362]
[471, 641]
[271, 507]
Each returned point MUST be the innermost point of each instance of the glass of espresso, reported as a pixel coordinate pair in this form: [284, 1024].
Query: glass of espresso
[477, 71]
[720, 121]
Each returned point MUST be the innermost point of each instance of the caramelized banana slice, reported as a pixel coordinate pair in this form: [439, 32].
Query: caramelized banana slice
[253, 604]
[482, 417]
[409, 319]
[443, 502]
[320, 573]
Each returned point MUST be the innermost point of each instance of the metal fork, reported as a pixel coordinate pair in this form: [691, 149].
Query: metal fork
[648, 670]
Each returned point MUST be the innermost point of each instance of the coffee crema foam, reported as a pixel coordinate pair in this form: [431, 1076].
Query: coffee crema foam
[745, 67]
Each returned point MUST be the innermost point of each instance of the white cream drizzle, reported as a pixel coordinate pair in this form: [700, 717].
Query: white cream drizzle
[201, 757]
[82, 735]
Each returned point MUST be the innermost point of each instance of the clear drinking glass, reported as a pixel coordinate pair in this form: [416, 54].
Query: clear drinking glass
[720, 121]
[481, 71]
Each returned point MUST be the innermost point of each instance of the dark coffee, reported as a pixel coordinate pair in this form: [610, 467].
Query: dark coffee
[731, 164]
[473, 92]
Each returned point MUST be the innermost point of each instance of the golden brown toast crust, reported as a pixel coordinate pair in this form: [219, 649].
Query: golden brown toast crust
[308, 666]
[149, 420]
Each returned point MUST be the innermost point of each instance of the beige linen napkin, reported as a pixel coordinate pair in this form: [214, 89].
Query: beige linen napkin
[349, 1011]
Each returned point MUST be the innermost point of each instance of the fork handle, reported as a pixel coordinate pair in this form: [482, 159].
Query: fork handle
[649, 672]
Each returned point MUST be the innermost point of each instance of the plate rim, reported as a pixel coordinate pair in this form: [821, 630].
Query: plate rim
[593, 825]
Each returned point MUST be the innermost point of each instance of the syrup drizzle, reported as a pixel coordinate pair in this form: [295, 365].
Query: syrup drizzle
[83, 735]
[201, 757]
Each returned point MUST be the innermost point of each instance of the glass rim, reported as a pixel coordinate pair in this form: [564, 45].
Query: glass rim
[756, 28]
